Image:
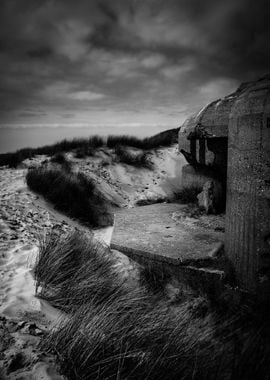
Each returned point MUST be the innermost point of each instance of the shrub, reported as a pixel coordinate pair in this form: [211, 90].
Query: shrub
[71, 193]
[140, 160]
[188, 194]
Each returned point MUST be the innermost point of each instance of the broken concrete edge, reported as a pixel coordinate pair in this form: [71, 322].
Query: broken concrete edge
[218, 283]
[197, 274]
[210, 261]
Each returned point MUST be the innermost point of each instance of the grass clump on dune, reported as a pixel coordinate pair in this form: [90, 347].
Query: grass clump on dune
[112, 331]
[84, 147]
[163, 139]
[61, 159]
[154, 276]
[72, 193]
[84, 144]
[140, 160]
[132, 339]
[74, 269]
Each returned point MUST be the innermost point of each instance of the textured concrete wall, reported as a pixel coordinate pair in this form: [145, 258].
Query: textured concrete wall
[248, 188]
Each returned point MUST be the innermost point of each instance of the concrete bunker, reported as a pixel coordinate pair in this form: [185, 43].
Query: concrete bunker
[203, 140]
[229, 144]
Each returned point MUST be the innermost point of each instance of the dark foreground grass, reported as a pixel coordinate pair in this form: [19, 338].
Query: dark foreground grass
[72, 193]
[115, 333]
[154, 277]
[139, 160]
[129, 338]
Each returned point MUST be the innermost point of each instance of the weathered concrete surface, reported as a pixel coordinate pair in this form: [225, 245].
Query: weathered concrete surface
[166, 233]
[248, 188]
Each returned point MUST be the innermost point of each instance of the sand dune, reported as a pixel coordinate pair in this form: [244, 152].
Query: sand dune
[24, 217]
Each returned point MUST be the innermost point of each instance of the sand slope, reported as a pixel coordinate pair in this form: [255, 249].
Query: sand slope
[124, 185]
[24, 217]
[23, 318]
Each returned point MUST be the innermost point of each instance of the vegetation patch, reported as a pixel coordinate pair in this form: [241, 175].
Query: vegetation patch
[84, 147]
[84, 152]
[140, 160]
[154, 277]
[72, 193]
[75, 269]
[163, 139]
[61, 159]
[188, 194]
[113, 332]
[14, 159]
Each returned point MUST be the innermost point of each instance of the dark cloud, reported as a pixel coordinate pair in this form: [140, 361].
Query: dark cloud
[160, 58]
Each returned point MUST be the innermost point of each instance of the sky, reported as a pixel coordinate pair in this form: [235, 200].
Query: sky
[128, 63]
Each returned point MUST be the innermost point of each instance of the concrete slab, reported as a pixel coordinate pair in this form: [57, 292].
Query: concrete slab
[168, 233]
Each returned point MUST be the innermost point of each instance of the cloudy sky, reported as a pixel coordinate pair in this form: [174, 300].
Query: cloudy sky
[125, 62]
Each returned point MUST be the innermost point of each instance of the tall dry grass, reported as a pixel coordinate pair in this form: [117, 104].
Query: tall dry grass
[87, 146]
[116, 333]
[83, 144]
[162, 139]
[75, 269]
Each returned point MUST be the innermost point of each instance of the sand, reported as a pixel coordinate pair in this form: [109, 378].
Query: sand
[25, 217]
[23, 317]
[125, 185]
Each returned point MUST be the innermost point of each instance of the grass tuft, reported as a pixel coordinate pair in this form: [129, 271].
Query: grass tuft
[61, 159]
[14, 159]
[154, 277]
[115, 333]
[188, 194]
[72, 193]
[163, 139]
[74, 269]
[86, 147]
[140, 160]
